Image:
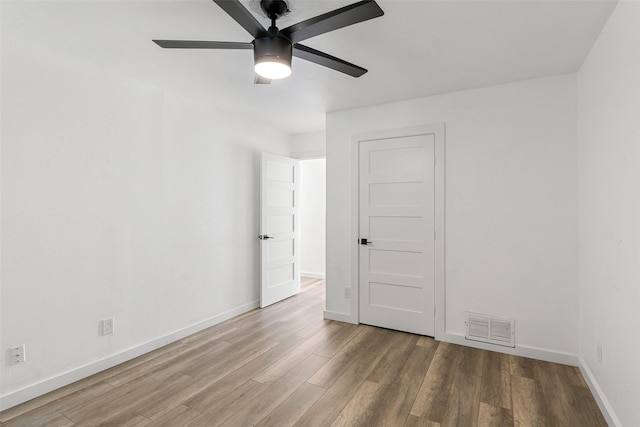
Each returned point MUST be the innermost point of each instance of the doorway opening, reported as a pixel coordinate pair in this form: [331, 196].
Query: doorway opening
[312, 223]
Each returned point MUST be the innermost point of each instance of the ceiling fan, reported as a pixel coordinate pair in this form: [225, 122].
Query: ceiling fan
[273, 48]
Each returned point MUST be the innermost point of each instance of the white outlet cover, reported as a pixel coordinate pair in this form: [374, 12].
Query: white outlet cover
[18, 354]
[107, 326]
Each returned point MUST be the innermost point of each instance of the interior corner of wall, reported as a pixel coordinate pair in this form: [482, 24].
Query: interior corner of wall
[601, 399]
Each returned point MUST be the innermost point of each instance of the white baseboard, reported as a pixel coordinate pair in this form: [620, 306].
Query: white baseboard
[520, 350]
[313, 275]
[40, 388]
[602, 401]
[340, 317]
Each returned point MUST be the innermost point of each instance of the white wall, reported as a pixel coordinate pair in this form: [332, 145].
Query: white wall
[312, 218]
[609, 173]
[511, 205]
[118, 200]
[309, 145]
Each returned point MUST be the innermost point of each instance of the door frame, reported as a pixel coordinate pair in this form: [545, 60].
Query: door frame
[438, 130]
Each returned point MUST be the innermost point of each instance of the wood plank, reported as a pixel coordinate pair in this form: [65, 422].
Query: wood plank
[220, 387]
[126, 419]
[463, 406]
[522, 367]
[359, 343]
[413, 421]
[294, 406]
[571, 375]
[62, 403]
[164, 403]
[40, 418]
[327, 408]
[528, 404]
[275, 394]
[431, 401]
[224, 407]
[426, 341]
[76, 391]
[125, 399]
[398, 394]
[178, 360]
[553, 382]
[210, 335]
[295, 314]
[331, 347]
[176, 417]
[588, 408]
[364, 406]
[496, 380]
[558, 394]
[358, 410]
[314, 328]
[301, 352]
[472, 360]
[391, 363]
[494, 416]
[215, 368]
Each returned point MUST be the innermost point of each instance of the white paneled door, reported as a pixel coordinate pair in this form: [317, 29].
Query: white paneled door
[397, 223]
[279, 234]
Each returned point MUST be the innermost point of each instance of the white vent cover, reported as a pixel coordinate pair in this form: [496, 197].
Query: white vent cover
[485, 328]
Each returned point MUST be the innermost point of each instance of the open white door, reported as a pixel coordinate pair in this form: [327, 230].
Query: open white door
[279, 233]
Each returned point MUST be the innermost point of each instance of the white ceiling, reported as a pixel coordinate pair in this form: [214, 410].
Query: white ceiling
[418, 48]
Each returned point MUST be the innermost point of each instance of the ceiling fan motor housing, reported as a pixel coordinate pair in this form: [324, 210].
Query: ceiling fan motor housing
[276, 49]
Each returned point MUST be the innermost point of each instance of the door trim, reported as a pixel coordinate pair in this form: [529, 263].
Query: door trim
[438, 130]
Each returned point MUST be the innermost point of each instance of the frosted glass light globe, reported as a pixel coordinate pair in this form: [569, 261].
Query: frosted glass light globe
[273, 70]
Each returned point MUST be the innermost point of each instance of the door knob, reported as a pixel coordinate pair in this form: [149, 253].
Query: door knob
[365, 242]
[264, 237]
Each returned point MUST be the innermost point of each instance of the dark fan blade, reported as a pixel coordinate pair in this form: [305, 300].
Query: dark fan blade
[321, 58]
[330, 21]
[196, 44]
[242, 16]
[259, 80]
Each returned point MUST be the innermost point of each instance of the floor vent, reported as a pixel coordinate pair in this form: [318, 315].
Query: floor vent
[493, 330]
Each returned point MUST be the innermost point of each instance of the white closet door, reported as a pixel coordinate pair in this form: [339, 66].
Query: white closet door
[397, 223]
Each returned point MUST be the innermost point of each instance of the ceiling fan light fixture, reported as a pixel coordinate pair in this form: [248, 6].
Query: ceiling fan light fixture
[272, 57]
[272, 48]
[272, 70]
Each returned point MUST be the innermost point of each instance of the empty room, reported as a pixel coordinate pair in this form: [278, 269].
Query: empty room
[319, 212]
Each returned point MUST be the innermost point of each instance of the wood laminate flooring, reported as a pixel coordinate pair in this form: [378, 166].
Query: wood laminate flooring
[287, 366]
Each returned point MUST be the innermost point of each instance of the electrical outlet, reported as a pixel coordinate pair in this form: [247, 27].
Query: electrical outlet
[18, 354]
[599, 352]
[107, 326]
[347, 292]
